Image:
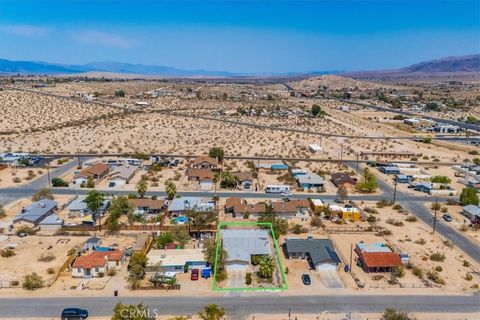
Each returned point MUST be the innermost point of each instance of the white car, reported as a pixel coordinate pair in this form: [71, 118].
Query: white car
[286, 194]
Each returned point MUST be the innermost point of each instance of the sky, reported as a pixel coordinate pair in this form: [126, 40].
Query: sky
[243, 36]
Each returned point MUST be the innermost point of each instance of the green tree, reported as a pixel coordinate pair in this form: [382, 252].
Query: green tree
[42, 194]
[171, 190]
[431, 106]
[181, 235]
[316, 110]
[209, 251]
[163, 239]
[469, 196]
[142, 187]
[94, 201]
[217, 153]
[266, 267]
[427, 139]
[368, 184]
[201, 220]
[211, 312]
[131, 312]
[32, 281]
[137, 265]
[392, 314]
[57, 182]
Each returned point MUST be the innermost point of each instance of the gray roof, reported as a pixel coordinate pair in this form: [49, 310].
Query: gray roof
[93, 240]
[37, 211]
[52, 220]
[123, 172]
[242, 244]
[319, 250]
[473, 210]
[79, 204]
[190, 203]
[310, 178]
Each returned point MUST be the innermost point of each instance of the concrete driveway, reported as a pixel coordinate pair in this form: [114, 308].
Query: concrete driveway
[236, 279]
[331, 279]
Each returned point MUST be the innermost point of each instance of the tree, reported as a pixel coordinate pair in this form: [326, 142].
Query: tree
[201, 220]
[142, 187]
[171, 190]
[137, 265]
[210, 251]
[266, 267]
[469, 196]
[90, 183]
[42, 194]
[369, 182]
[217, 153]
[342, 193]
[211, 312]
[427, 139]
[131, 312]
[392, 314]
[163, 239]
[431, 106]
[316, 110]
[94, 201]
[441, 179]
[181, 235]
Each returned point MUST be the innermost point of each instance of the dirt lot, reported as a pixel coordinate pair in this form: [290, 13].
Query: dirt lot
[10, 177]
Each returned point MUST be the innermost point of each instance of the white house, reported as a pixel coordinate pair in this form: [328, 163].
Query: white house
[97, 263]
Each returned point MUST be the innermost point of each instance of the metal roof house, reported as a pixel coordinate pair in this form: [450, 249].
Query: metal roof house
[51, 223]
[241, 245]
[36, 212]
[310, 181]
[320, 253]
[183, 204]
[472, 212]
[390, 170]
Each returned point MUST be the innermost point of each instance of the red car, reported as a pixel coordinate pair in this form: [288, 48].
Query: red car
[195, 273]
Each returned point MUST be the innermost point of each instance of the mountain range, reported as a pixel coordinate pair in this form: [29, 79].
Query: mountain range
[470, 63]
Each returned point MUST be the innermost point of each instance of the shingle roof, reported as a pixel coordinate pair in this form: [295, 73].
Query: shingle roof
[147, 203]
[290, 206]
[97, 259]
[201, 159]
[201, 174]
[96, 169]
[319, 250]
[381, 259]
[340, 178]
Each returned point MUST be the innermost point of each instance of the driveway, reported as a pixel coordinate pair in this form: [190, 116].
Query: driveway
[331, 279]
[236, 279]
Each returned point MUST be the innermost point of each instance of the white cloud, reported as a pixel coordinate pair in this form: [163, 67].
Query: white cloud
[103, 39]
[26, 30]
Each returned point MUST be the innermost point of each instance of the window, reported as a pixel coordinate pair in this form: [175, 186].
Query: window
[97, 270]
[79, 270]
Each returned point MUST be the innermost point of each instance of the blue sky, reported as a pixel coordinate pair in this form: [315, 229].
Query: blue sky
[240, 36]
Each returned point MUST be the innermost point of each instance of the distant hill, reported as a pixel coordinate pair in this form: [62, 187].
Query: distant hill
[464, 65]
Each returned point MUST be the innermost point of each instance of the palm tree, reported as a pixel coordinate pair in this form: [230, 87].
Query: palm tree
[171, 190]
[266, 267]
[142, 187]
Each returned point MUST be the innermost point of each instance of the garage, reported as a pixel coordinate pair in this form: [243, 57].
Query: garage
[236, 265]
[206, 185]
[325, 266]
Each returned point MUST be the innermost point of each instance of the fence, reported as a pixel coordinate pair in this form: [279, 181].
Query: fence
[143, 227]
[348, 229]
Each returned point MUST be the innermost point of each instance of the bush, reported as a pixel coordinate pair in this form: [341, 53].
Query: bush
[371, 219]
[392, 314]
[468, 277]
[57, 182]
[411, 219]
[111, 272]
[417, 272]
[248, 278]
[437, 256]
[466, 263]
[101, 274]
[438, 268]
[7, 253]
[383, 203]
[46, 257]
[435, 277]
[399, 272]
[50, 271]
[32, 281]
[25, 229]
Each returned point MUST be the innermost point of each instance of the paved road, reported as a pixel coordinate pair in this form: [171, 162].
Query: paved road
[239, 307]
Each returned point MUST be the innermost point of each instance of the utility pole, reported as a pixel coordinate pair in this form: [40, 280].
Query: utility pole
[394, 190]
[435, 215]
[341, 154]
[48, 177]
[351, 257]
[358, 172]
[78, 159]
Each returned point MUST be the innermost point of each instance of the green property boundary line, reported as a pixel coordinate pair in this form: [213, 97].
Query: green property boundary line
[277, 252]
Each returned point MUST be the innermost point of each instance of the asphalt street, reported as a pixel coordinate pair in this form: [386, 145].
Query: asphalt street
[240, 306]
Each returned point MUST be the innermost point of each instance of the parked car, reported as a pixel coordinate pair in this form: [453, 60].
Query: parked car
[74, 313]
[111, 184]
[447, 217]
[286, 194]
[306, 279]
[195, 274]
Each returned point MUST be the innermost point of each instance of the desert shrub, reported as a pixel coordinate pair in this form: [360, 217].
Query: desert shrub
[32, 281]
[468, 277]
[316, 222]
[26, 229]
[438, 268]
[437, 256]
[399, 272]
[111, 272]
[7, 253]
[417, 272]
[383, 203]
[57, 182]
[435, 277]
[371, 219]
[411, 219]
[466, 263]
[50, 270]
[14, 283]
[448, 243]
[101, 274]
[248, 278]
[46, 257]
[392, 314]
[370, 210]
[397, 207]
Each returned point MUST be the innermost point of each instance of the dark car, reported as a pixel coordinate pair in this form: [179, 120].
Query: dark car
[306, 279]
[74, 313]
[447, 217]
[195, 274]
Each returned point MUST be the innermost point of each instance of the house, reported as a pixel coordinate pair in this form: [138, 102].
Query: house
[423, 187]
[179, 206]
[179, 260]
[239, 208]
[122, 175]
[96, 171]
[340, 179]
[278, 167]
[78, 207]
[35, 212]
[51, 223]
[350, 214]
[245, 179]
[389, 169]
[472, 212]
[298, 172]
[241, 245]
[147, 206]
[317, 205]
[205, 162]
[203, 176]
[92, 243]
[292, 208]
[97, 263]
[377, 257]
[310, 181]
[320, 253]
[314, 148]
